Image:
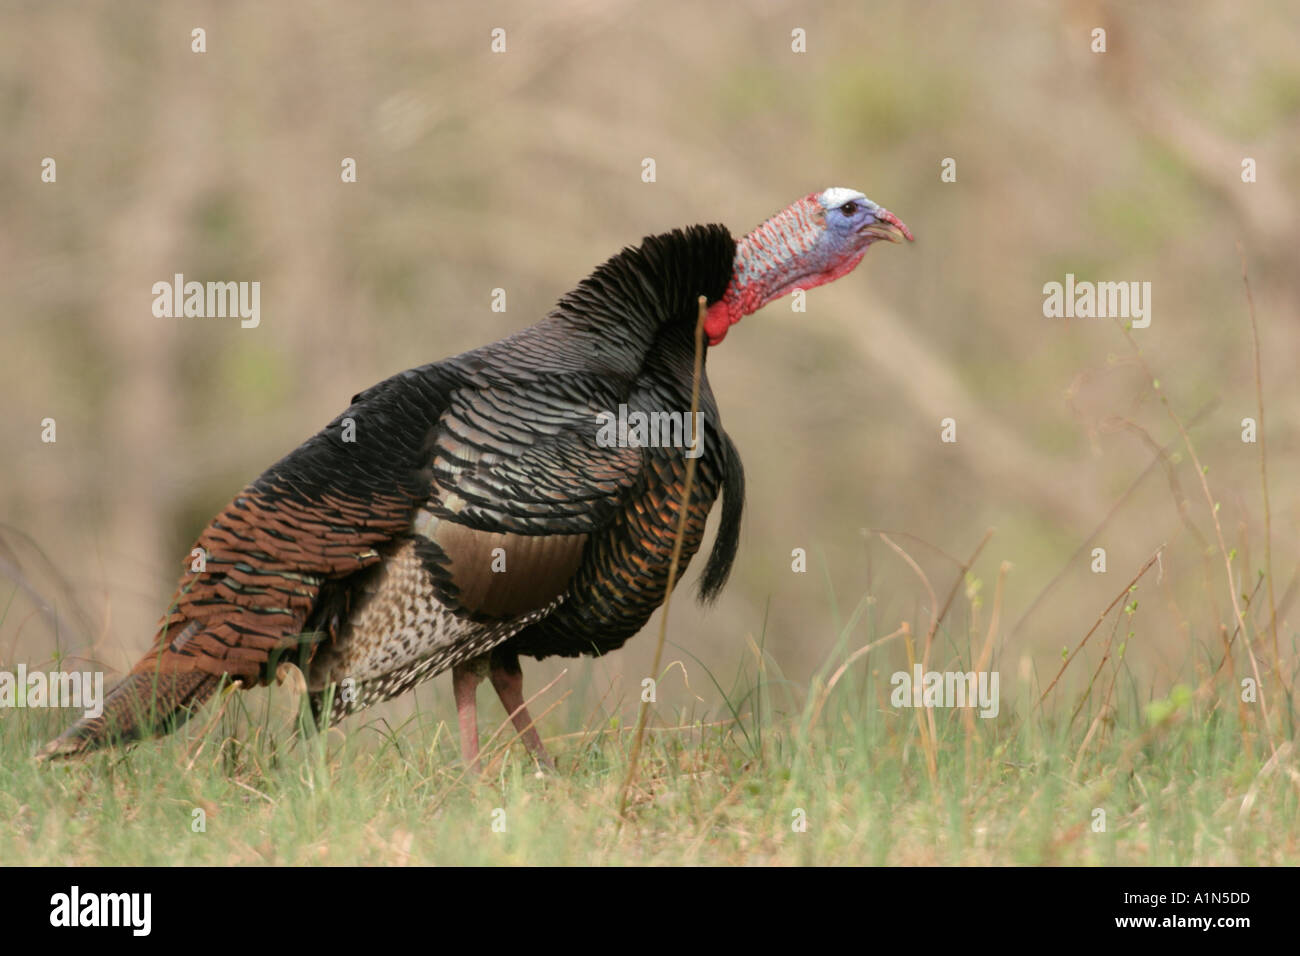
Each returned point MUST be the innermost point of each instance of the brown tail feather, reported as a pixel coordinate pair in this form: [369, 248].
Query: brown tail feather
[142, 704]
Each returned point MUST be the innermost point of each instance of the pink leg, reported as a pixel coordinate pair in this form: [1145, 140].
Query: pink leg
[510, 688]
[464, 684]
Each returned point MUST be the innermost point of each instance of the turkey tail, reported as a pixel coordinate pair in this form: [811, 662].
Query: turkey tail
[727, 542]
[267, 555]
[142, 705]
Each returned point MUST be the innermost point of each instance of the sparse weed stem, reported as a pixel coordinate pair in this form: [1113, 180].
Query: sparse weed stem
[1218, 531]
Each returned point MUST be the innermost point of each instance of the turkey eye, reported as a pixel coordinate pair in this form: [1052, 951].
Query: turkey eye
[849, 208]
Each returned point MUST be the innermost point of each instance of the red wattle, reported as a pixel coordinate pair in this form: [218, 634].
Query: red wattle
[716, 322]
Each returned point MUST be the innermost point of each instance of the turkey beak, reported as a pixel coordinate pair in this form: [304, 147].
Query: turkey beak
[887, 226]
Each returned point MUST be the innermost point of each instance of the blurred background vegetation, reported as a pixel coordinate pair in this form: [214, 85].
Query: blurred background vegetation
[522, 171]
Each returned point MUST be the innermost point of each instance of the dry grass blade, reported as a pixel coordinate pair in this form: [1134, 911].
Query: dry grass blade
[839, 672]
[934, 602]
[928, 731]
[1101, 617]
[1263, 467]
[644, 712]
[924, 727]
[956, 584]
[1161, 456]
[981, 665]
[202, 739]
[1218, 530]
[1281, 758]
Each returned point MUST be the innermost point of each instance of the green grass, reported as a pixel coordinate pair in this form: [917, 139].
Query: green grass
[1180, 781]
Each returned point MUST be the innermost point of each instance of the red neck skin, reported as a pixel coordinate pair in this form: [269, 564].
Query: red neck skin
[783, 254]
[739, 301]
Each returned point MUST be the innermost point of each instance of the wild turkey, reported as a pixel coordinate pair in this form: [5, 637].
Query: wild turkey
[464, 513]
